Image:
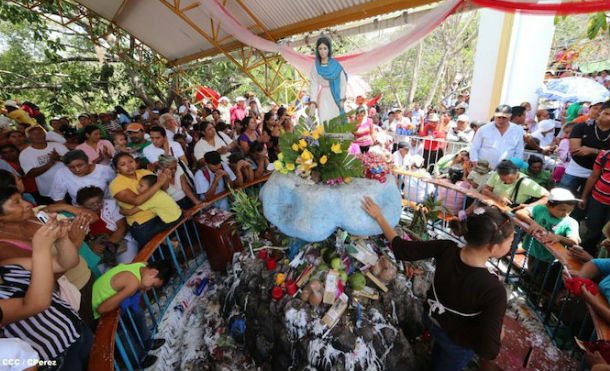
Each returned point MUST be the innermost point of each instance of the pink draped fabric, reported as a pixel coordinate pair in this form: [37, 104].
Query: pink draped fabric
[354, 64]
[359, 63]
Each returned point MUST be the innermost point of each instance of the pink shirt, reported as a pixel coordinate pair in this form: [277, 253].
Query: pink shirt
[451, 199]
[94, 153]
[363, 134]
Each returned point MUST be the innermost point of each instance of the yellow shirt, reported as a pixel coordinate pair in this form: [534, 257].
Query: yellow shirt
[121, 183]
[21, 117]
[164, 206]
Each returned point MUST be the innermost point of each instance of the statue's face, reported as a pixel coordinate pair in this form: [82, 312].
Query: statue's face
[323, 51]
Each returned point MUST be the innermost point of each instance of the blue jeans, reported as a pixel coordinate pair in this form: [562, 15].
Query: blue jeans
[575, 185]
[145, 232]
[446, 355]
[140, 329]
[598, 215]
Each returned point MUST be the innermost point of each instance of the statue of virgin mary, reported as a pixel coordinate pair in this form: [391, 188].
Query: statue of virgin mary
[328, 83]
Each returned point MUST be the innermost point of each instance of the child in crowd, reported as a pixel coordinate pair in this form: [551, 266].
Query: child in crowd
[160, 203]
[213, 179]
[550, 223]
[451, 199]
[124, 283]
[119, 140]
[258, 159]
[414, 188]
[238, 163]
[466, 304]
[479, 175]
[563, 151]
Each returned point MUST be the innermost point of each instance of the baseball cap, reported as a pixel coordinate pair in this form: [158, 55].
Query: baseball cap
[434, 118]
[31, 128]
[135, 127]
[593, 102]
[482, 167]
[503, 110]
[240, 99]
[463, 118]
[546, 125]
[562, 195]
[461, 105]
[11, 103]
[403, 145]
[416, 160]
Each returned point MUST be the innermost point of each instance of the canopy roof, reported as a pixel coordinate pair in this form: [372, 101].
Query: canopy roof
[182, 31]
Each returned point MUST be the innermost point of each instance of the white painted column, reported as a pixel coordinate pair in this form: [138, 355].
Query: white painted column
[510, 60]
[528, 57]
[486, 59]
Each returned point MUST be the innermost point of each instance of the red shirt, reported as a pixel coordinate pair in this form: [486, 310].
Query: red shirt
[29, 183]
[433, 145]
[601, 190]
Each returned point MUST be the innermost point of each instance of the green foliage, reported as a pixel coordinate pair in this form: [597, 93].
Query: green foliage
[248, 212]
[597, 23]
[339, 164]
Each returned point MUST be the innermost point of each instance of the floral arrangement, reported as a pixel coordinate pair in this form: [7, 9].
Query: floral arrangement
[319, 152]
[376, 166]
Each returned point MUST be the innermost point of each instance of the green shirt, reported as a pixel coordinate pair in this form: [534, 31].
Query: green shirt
[566, 227]
[543, 178]
[139, 154]
[102, 289]
[527, 189]
[572, 111]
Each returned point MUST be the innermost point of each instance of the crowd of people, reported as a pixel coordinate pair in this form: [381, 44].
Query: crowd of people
[96, 190]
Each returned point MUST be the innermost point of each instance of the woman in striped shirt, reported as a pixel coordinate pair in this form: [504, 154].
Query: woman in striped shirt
[31, 311]
[364, 133]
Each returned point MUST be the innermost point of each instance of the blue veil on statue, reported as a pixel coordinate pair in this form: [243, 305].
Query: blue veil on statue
[332, 72]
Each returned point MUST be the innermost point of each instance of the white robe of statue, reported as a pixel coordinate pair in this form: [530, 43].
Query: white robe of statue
[320, 94]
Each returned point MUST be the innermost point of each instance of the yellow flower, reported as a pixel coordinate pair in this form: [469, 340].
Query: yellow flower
[320, 130]
[347, 179]
[306, 155]
[336, 148]
[315, 135]
[306, 133]
[295, 147]
[279, 166]
[280, 156]
[305, 165]
[323, 160]
[302, 143]
[290, 166]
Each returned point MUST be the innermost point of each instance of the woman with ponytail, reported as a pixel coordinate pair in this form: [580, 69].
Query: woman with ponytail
[466, 304]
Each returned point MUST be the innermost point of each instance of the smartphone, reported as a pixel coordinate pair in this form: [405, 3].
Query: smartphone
[43, 217]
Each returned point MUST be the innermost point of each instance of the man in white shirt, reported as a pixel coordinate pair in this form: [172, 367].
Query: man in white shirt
[400, 158]
[461, 132]
[417, 115]
[184, 108]
[387, 124]
[55, 135]
[499, 140]
[172, 127]
[400, 122]
[41, 159]
[161, 145]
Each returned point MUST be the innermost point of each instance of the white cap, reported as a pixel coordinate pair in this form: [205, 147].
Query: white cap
[223, 98]
[562, 195]
[10, 103]
[416, 160]
[240, 99]
[434, 118]
[597, 101]
[546, 125]
[463, 118]
[461, 105]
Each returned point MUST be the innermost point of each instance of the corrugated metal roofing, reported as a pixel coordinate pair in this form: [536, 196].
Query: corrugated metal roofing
[157, 26]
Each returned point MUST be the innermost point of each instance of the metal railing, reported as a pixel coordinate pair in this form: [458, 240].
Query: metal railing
[119, 338]
[542, 285]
